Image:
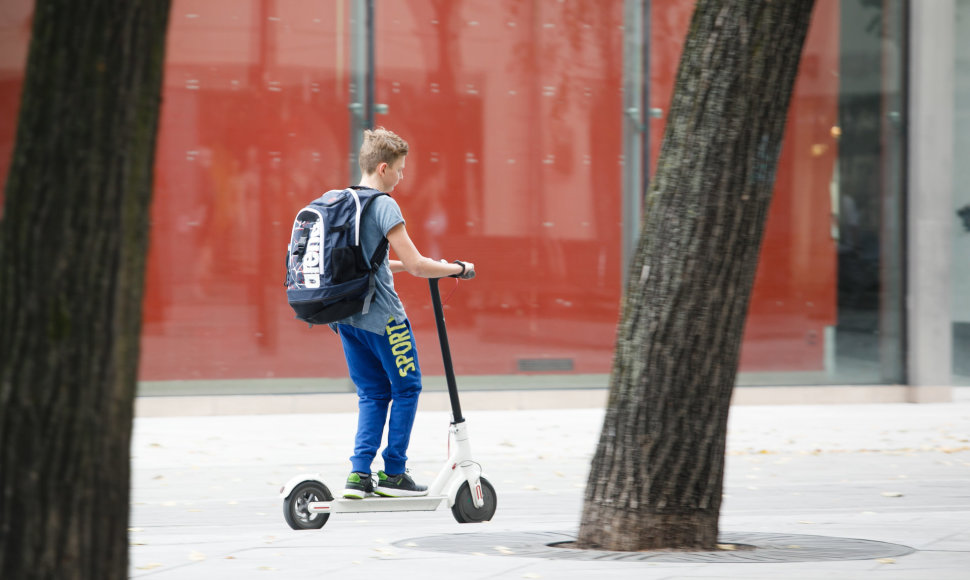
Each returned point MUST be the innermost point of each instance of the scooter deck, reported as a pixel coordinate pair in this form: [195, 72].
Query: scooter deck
[377, 504]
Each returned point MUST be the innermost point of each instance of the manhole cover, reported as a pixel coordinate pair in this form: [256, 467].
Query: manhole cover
[766, 548]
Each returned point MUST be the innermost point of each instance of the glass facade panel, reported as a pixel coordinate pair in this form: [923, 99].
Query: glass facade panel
[826, 303]
[254, 124]
[514, 112]
[868, 194]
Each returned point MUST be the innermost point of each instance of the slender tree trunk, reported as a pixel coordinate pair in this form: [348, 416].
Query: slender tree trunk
[657, 474]
[73, 240]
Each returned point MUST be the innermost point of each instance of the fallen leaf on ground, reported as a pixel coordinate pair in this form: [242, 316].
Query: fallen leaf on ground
[151, 566]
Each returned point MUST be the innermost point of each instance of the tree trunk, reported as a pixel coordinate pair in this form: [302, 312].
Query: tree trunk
[657, 474]
[73, 240]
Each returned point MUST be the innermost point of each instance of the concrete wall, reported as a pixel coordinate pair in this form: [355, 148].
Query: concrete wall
[961, 169]
[930, 208]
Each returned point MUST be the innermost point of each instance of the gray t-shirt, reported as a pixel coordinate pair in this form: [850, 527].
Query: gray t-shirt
[382, 215]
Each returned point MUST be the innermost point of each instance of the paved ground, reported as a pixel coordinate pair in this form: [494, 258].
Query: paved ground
[205, 501]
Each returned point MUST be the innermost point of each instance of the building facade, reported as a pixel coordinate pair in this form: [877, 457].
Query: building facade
[534, 126]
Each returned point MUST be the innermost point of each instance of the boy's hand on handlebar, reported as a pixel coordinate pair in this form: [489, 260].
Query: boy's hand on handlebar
[467, 270]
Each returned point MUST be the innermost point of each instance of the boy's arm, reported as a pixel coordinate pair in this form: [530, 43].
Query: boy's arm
[413, 262]
[396, 266]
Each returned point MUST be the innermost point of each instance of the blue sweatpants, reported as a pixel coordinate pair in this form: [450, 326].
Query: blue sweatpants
[387, 375]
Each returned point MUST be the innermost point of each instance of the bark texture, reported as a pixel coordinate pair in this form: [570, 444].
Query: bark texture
[657, 474]
[73, 240]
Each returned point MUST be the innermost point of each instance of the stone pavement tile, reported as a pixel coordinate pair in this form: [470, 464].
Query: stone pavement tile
[958, 541]
[205, 503]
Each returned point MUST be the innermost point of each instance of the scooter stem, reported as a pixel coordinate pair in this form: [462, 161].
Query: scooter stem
[439, 319]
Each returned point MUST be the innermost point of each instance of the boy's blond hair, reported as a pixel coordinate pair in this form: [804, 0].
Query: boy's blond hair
[380, 146]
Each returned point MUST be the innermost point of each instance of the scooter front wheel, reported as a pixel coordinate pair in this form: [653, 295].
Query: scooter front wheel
[464, 509]
[296, 506]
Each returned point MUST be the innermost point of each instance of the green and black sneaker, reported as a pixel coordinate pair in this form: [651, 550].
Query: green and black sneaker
[359, 485]
[400, 485]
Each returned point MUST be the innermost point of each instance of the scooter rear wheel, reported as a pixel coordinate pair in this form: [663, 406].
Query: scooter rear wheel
[295, 507]
[464, 509]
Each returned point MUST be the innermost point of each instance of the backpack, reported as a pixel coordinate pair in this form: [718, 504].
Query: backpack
[327, 278]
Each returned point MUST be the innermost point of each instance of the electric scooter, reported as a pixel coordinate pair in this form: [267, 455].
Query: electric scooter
[308, 503]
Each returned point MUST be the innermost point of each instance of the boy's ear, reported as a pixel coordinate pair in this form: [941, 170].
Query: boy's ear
[381, 168]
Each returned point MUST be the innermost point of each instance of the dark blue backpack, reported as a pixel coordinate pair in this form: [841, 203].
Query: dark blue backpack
[327, 277]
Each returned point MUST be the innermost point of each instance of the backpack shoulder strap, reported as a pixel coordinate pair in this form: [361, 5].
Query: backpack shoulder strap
[369, 195]
[377, 258]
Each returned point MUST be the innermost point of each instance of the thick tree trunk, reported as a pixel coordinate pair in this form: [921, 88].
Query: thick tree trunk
[73, 239]
[657, 474]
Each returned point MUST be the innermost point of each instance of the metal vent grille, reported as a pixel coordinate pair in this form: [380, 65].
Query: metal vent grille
[534, 365]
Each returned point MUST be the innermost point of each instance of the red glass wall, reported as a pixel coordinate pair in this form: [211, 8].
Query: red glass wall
[513, 111]
[794, 297]
[15, 23]
[254, 124]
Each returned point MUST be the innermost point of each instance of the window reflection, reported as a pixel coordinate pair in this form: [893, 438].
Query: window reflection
[514, 114]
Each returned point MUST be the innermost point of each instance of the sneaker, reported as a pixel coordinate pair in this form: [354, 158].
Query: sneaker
[400, 485]
[358, 486]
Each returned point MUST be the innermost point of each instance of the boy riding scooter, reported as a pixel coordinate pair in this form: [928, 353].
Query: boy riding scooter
[379, 345]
